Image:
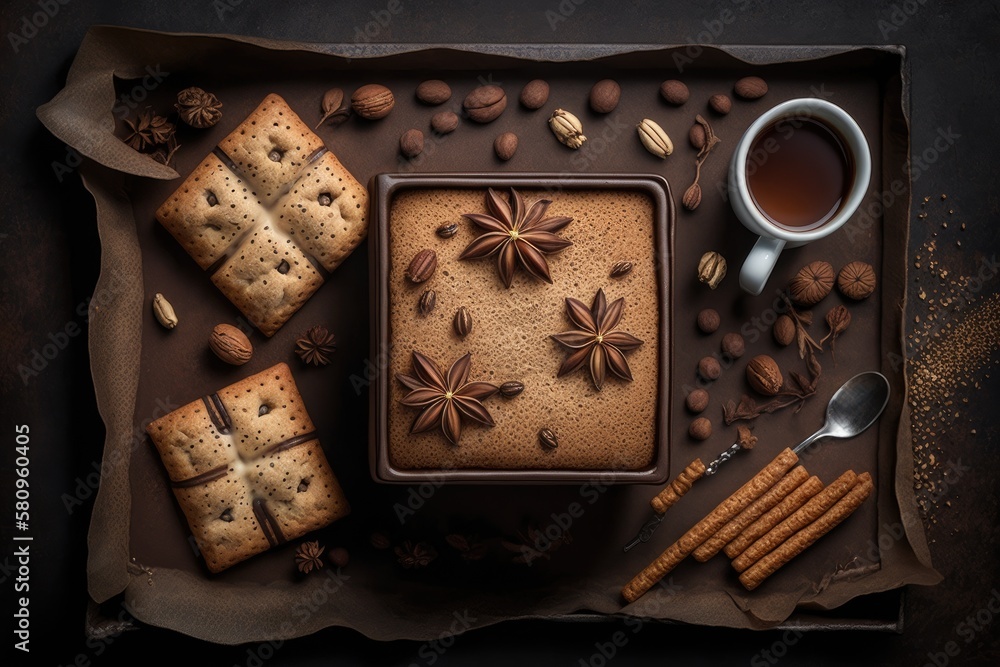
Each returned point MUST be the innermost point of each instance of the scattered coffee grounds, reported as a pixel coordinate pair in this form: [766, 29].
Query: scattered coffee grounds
[951, 349]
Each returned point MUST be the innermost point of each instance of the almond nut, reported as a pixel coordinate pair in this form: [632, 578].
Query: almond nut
[784, 330]
[422, 266]
[720, 104]
[230, 344]
[372, 101]
[485, 103]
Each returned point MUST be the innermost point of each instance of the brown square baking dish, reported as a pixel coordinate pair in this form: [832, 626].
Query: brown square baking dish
[605, 447]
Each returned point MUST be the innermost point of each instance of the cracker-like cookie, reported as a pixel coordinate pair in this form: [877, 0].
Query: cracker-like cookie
[209, 211]
[268, 278]
[271, 147]
[247, 468]
[325, 212]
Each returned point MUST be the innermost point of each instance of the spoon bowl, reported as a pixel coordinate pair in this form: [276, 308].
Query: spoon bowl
[853, 408]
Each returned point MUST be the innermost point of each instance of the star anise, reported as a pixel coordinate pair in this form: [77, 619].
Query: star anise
[198, 108]
[445, 399]
[415, 556]
[595, 340]
[315, 346]
[308, 557]
[517, 233]
[147, 130]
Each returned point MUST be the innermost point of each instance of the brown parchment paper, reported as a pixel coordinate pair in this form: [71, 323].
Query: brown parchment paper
[162, 584]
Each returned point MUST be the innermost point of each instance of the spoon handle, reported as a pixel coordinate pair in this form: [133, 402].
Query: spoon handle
[713, 467]
[810, 440]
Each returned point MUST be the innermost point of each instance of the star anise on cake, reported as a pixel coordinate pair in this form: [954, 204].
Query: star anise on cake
[517, 234]
[445, 399]
[595, 340]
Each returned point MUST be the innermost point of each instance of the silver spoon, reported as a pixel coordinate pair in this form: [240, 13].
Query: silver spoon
[852, 409]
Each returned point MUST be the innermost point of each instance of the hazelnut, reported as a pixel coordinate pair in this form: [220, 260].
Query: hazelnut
[604, 96]
[696, 135]
[411, 144]
[700, 429]
[697, 400]
[733, 345]
[444, 122]
[750, 87]
[339, 556]
[708, 320]
[709, 368]
[784, 330]
[434, 91]
[764, 375]
[675, 92]
[535, 94]
[505, 145]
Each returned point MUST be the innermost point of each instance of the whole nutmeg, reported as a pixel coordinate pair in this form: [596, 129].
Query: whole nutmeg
[783, 330]
[733, 345]
[700, 429]
[709, 320]
[535, 94]
[764, 375]
[422, 266]
[411, 143]
[372, 101]
[696, 135]
[720, 104]
[433, 91]
[697, 400]
[604, 96]
[856, 280]
[230, 344]
[505, 145]
[444, 122]
[750, 88]
[485, 103]
[675, 92]
[198, 108]
[709, 368]
[712, 269]
[812, 283]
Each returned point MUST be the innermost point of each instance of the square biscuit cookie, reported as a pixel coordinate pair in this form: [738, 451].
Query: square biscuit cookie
[268, 278]
[209, 211]
[247, 468]
[325, 212]
[271, 147]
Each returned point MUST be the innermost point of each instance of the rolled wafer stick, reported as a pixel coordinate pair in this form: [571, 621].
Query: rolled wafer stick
[701, 531]
[801, 518]
[677, 488]
[806, 537]
[774, 516]
[791, 481]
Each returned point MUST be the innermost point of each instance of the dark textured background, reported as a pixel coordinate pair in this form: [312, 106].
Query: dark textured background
[50, 255]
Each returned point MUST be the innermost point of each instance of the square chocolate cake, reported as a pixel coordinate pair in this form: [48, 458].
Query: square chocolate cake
[247, 468]
[534, 343]
[267, 213]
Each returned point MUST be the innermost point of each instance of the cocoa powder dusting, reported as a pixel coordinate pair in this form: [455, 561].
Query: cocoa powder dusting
[951, 349]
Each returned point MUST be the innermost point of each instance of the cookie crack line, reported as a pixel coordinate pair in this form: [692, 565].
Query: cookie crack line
[221, 470]
[267, 218]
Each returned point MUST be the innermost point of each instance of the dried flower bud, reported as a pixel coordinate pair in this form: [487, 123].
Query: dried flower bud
[712, 269]
[198, 108]
[838, 319]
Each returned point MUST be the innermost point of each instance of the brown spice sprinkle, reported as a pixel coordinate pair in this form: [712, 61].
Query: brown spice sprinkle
[951, 345]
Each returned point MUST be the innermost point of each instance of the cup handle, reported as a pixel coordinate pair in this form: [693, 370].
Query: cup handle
[759, 263]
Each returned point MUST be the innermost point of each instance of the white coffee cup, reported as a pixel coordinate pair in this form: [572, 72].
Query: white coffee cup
[773, 239]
